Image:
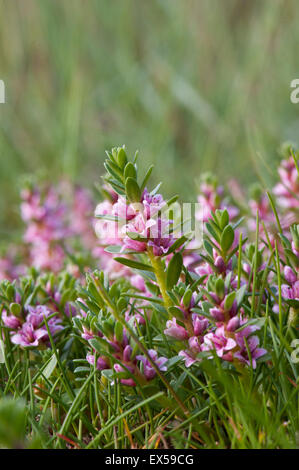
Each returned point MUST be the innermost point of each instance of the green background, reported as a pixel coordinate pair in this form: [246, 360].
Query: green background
[195, 85]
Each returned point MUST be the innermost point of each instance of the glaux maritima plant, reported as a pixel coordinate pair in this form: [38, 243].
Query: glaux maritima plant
[121, 329]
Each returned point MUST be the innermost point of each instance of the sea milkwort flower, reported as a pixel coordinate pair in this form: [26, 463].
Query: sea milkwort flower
[287, 190]
[176, 331]
[148, 370]
[219, 341]
[212, 197]
[290, 292]
[250, 345]
[188, 358]
[10, 321]
[101, 364]
[33, 331]
[28, 336]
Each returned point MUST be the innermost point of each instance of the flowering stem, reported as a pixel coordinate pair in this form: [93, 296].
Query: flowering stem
[125, 324]
[160, 276]
[253, 301]
[279, 287]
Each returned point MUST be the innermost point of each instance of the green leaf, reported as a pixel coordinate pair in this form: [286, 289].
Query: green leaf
[113, 249]
[130, 171]
[229, 300]
[155, 190]
[292, 257]
[108, 374]
[111, 218]
[227, 238]
[115, 172]
[147, 176]
[119, 331]
[177, 244]
[15, 309]
[212, 231]
[132, 190]
[240, 294]
[175, 311]
[118, 187]
[220, 288]
[136, 236]
[260, 322]
[174, 270]
[187, 297]
[134, 264]
[171, 201]
[49, 369]
[122, 158]
[152, 288]
[224, 219]
[2, 354]
[99, 344]
[208, 248]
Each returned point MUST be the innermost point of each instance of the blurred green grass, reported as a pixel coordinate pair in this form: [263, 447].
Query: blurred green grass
[195, 85]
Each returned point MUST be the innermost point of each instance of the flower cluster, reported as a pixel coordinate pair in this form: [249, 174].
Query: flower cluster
[111, 345]
[290, 289]
[33, 331]
[215, 322]
[45, 228]
[135, 220]
[212, 197]
[34, 306]
[58, 219]
[159, 297]
[286, 191]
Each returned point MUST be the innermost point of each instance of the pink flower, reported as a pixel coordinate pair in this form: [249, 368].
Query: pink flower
[87, 334]
[47, 227]
[195, 344]
[28, 336]
[289, 274]
[81, 220]
[139, 226]
[33, 332]
[211, 198]
[138, 219]
[288, 186]
[118, 368]
[107, 231]
[262, 205]
[247, 330]
[188, 358]
[176, 331]
[200, 324]
[11, 321]
[219, 341]
[123, 210]
[152, 204]
[161, 245]
[233, 324]
[148, 370]
[255, 352]
[290, 292]
[137, 281]
[220, 267]
[101, 362]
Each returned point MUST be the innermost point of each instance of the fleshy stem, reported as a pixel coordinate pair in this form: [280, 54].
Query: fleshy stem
[160, 276]
[119, 318]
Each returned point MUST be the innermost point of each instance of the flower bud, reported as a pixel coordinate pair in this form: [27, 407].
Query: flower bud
[233, 324]
[289, 274]
[175, 330]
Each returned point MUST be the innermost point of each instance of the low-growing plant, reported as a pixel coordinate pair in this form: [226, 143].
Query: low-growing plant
[144, 337]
